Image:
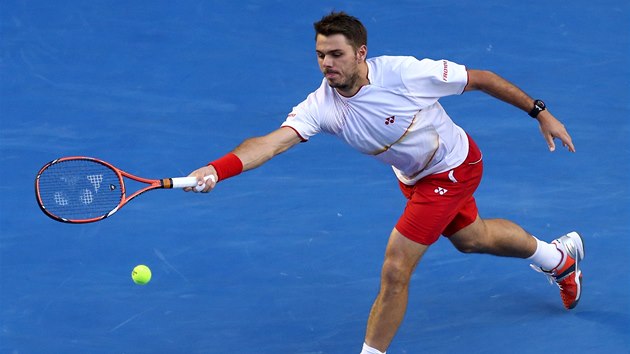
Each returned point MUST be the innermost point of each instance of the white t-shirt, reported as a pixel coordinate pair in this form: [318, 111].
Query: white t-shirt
[396, 118]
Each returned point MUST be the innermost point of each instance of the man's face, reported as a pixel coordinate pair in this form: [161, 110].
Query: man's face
[338, 61]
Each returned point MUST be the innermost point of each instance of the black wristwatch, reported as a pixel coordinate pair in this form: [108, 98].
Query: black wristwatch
[539, 106]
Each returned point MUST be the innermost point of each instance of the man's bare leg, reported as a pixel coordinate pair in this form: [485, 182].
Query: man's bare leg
[498, 237]
[401, 257]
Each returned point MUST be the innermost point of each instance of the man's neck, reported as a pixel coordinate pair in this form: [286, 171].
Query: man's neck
[361, 81]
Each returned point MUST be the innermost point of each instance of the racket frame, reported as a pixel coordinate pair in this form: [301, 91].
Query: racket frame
[164, 183]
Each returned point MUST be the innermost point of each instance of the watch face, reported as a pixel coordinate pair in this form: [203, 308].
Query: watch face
[539, 106]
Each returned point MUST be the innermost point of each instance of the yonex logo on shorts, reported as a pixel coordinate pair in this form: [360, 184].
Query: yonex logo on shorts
[440, 191]
[390, 120]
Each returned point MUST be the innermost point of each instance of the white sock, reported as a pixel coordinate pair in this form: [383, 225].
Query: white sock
[546, 256]
[369, 350]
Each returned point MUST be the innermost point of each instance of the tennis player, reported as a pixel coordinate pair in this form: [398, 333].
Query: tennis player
[387, 107]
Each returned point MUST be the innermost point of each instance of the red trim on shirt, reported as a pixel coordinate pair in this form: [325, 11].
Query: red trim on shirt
[467, 80]
[296, 132]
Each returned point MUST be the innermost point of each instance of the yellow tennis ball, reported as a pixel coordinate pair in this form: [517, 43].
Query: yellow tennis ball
[141, 274]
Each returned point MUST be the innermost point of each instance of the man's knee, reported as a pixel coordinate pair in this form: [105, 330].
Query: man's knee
[469, 245]
[401, 257]
[472, 239]
[395, 277]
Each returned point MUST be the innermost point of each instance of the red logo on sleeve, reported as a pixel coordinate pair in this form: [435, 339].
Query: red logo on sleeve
[445, 71]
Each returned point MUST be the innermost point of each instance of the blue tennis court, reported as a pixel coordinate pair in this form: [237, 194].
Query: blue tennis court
[286, 258]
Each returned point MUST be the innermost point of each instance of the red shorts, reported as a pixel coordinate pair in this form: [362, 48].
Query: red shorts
[443, 203]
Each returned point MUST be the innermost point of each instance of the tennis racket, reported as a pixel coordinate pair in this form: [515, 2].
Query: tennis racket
[84, 189]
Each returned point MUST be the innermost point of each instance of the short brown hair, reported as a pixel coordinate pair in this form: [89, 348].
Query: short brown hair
[342, 23]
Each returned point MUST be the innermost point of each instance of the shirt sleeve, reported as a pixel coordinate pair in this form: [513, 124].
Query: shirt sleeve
[303, 120]
[434, 78]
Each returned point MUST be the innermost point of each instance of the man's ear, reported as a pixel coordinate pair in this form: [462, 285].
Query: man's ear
[362, 53]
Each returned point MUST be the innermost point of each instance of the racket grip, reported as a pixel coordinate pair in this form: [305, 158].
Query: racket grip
[183, 182]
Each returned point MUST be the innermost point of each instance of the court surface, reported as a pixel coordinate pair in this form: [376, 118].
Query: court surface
[286, 258]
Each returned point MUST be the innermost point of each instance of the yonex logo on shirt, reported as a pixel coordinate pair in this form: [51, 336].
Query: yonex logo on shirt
[390, 120]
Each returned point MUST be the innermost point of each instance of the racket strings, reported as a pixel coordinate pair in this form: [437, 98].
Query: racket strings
[79, 189]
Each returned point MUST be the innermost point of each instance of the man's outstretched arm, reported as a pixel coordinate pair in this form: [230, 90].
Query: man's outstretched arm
[251, 153]
[496, 86]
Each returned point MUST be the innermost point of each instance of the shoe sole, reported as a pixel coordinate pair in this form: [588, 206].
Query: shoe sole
[580, 253]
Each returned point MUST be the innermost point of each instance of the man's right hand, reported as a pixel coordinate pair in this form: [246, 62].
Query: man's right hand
[201, 174]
